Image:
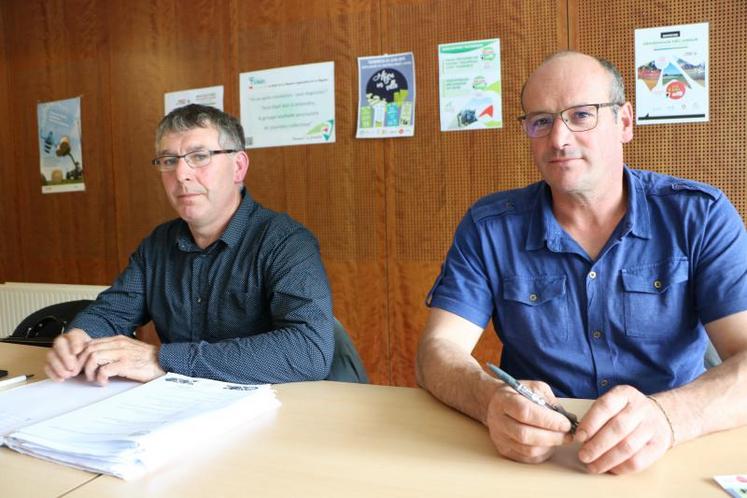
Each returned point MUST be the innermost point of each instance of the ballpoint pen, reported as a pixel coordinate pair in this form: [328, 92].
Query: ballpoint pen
[533, 396]
[15, 380]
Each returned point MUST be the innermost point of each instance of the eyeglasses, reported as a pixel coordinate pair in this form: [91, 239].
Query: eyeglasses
[194, 159]
[576, 118]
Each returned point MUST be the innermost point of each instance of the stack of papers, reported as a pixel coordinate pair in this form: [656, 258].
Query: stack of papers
[31, 403]
[134, 431]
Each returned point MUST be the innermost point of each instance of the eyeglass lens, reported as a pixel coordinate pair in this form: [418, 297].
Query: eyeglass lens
[579, 118]
[195, 159]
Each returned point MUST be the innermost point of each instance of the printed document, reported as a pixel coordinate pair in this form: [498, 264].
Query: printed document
[136, 431]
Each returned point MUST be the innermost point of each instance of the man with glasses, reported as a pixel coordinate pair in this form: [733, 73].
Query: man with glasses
[236, 292]
[603, 282]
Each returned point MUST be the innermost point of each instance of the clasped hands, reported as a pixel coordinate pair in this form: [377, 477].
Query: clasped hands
[623, 431]
[76, 352]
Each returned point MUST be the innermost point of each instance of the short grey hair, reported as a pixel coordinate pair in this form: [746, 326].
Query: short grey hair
[189, 117]
[617, 85]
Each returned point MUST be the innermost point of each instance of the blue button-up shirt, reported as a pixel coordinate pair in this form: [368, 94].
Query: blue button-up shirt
[253, 307]
[635, 315]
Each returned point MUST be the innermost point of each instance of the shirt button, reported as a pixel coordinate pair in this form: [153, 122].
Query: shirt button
[604, 383]
[533, 297]
[199, 299]
[592, 275]
[597, 334]
[657, 284]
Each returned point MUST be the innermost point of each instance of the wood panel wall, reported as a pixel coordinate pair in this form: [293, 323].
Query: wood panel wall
[6, 158]
[384, 211]
[714, 152]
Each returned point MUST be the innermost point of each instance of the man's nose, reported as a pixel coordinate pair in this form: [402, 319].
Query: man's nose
[560, 134]
[183, 171]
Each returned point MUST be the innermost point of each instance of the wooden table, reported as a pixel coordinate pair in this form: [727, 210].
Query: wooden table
[22, 476]
[333, 439]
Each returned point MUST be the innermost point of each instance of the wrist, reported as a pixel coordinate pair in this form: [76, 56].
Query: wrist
[673, 440]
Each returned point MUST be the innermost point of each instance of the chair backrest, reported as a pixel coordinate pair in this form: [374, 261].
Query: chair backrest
[42, 326]
[347, 366]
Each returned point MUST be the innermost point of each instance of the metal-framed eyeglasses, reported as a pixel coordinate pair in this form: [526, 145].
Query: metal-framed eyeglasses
[577, 118]
[195, 159]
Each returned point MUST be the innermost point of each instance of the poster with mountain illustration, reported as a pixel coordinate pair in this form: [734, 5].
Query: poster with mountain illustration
[671, 74]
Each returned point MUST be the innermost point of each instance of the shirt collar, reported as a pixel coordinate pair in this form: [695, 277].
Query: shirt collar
[231, 235]
[637, 219]
[544, 228]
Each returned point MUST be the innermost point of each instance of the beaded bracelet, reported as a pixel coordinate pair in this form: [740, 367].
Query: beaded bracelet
[669, 422]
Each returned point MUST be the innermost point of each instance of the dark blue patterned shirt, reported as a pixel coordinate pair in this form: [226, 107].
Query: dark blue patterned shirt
[252, 307]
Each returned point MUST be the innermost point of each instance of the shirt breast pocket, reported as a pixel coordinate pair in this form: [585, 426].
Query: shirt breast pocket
[240, 314]
[535, 307]
[656, 298]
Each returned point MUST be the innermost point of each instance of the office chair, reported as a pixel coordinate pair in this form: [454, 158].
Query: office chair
[347, 366]
[42, 326]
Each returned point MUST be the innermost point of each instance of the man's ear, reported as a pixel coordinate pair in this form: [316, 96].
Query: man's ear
[626, 120]
[241, 166]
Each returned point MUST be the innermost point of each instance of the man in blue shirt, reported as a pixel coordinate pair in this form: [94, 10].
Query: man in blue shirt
[236, 292]
[603, 282]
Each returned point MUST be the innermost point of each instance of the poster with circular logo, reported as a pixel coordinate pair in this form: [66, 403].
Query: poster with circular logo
[386, 102]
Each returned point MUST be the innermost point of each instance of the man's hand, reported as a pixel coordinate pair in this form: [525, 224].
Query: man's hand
[623, 432]
[120, 356]
[63, 359]
[522, 430]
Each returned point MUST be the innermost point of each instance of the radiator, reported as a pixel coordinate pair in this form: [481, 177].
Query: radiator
[18, 300]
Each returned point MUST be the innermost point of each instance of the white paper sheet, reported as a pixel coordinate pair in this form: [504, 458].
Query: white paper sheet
[138, 430]
[31, 403]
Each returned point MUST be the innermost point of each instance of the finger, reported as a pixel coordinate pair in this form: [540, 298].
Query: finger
[601, 412]
[64, 353]
[56, 369]
[76, 342]
[543, 389]
[650, 453]
[527, 454]
[95, 360]
[613, 433]
[530, 414]
[616, 430]
[52, 374]
[514, 450]
[101, 351]
[105, 372]
[623, 451]
[533, 435]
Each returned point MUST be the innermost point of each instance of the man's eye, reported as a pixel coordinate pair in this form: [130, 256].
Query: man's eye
[540, 121]
[582, 115]
[199, 157]
[168, 161]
